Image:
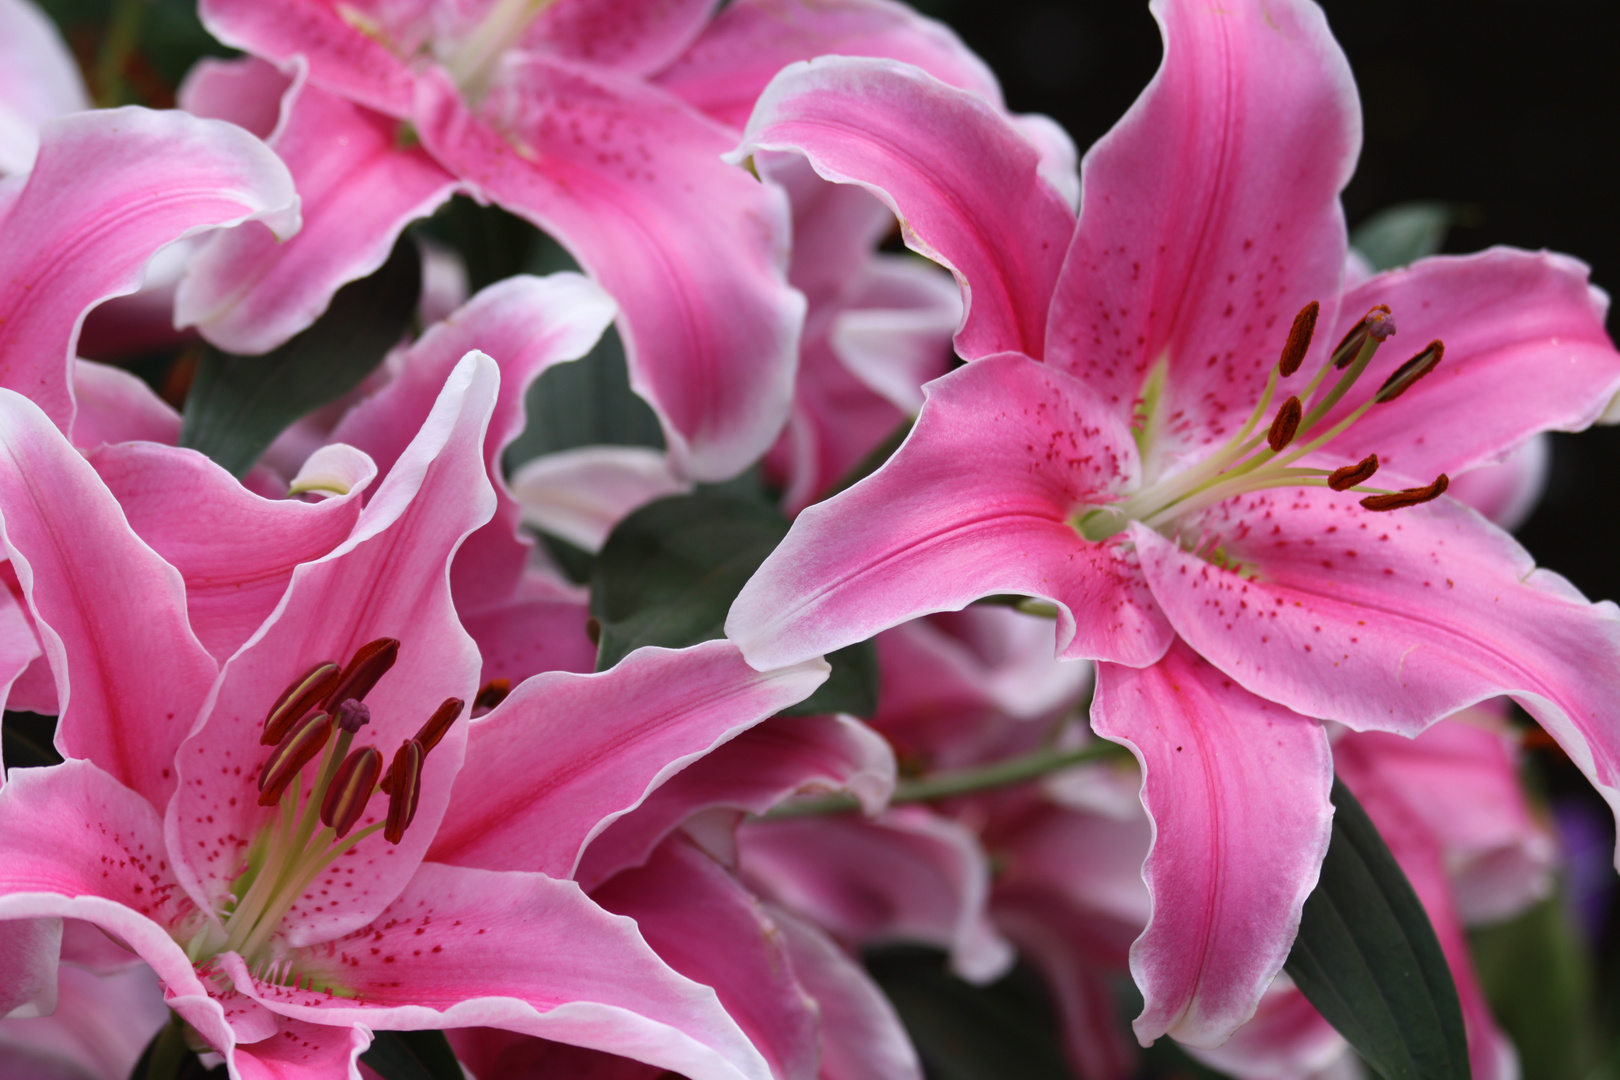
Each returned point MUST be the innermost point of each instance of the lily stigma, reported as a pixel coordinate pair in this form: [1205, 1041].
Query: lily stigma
[1251, 461]
[318, 717]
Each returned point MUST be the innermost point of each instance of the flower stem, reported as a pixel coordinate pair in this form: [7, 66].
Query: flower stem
[997, 774]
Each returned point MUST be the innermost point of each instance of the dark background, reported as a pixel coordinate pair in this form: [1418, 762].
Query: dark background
[1509, 110]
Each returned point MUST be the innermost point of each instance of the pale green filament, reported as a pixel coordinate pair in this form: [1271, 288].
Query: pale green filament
[473, 63]
[295, 856]
[1245, 463]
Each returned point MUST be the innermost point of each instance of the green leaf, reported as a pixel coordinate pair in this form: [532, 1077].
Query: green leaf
[1403, 234]
[412, 1055]
[239, 404]
[852, 687]
[1538, 979]
[669, 571]
[585, 403]
[28, 740]
[964, 1032]
[1368, 959]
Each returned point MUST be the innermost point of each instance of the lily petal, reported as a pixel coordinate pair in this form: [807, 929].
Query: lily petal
[1392, 621]
[706, 926]
[909, 875]
[77, 844]
[726, 70]
[118, 406]
[786, 755]
[247, 291]
[111, 614]
[588, 977]
[157, 177]
[1237, 788]
[235, 551]
[975, 502]
[342, 57]
[965, 184]
[543, 629]
[861, 1034]
[247, 92]
[539, 783]
[627, 178]
[1210, 214]
[29, 949]
[630, 35]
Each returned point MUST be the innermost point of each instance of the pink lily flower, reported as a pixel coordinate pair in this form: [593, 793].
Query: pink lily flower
[670, 864]
[1175, 490]
[548, 110]
[106, 1008]
[602, 126]
[135, 182]
[195, 822]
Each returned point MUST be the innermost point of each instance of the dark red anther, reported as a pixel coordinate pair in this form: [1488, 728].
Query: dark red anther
[1348, 477]
[439, 723]
[1286, 425]
[1410, 372]
[1410, 497]
[430, 733]
[351, 789]
[1376, 324]
[491, 694]
[406, 776]
[370, 663]
[289, 757]
[297, 700]
[1299, 339]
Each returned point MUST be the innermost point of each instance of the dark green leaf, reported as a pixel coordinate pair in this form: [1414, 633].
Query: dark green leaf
[27, 740]
[492, 243]
[851, 688]
[586, 403]
[239, 404]
[412, 1055]
[966, 1032]
[1403, 234]
[669, 572]
[1537, 976]
[667, 576]
[1368, 959]
[167, 1057]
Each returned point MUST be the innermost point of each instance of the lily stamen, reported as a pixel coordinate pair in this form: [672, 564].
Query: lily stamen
[1250, 462]
[316, 827]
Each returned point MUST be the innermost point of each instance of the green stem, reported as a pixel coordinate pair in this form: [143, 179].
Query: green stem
[112, 58]
[945, 785]
[170, 1052]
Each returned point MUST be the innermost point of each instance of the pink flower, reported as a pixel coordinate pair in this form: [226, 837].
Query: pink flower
[1172, 486]
[191, 825]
